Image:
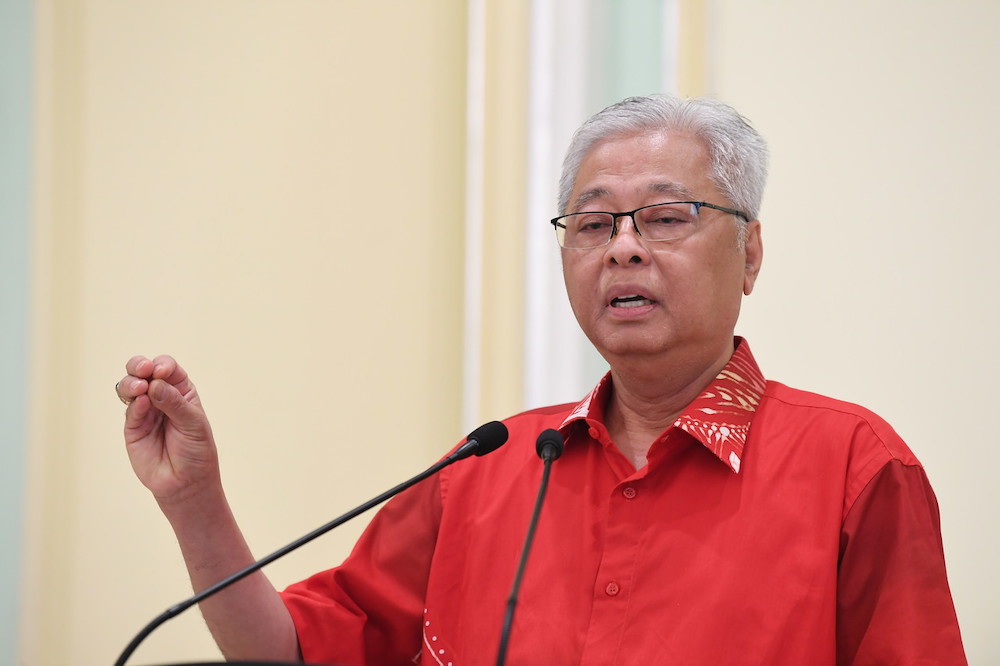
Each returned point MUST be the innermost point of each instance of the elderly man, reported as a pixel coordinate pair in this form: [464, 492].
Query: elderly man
[700, 514]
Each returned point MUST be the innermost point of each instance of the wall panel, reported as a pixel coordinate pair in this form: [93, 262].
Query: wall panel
[878, 284]
[272, 192]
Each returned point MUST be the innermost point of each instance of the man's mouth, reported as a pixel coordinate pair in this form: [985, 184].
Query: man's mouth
[630, 301]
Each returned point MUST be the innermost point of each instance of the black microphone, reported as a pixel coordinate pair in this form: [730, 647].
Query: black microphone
[549, 447]
[484, 439]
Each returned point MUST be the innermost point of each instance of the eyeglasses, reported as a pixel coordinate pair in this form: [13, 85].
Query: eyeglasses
[660, 222]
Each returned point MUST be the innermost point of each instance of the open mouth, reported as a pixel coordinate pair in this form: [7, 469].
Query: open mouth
[630, 301]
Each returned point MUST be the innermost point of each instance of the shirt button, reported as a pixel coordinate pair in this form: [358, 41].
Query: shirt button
[612, 589]
[593, 433]
[629, 492]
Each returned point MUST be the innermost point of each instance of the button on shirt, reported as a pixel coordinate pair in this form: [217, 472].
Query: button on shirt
[770, 526]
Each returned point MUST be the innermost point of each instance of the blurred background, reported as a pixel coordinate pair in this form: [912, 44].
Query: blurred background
[334, 214]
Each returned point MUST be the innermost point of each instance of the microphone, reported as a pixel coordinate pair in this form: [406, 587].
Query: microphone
[549, 447]
[484, 439]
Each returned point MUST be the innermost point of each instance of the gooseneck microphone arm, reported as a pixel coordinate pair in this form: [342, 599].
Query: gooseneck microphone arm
[482, 440]
[549, 446]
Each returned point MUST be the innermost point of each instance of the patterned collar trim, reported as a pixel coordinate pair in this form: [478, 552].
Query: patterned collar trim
[719, 418]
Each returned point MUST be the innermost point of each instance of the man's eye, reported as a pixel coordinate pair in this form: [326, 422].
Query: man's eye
[593, 224]
[666, 221]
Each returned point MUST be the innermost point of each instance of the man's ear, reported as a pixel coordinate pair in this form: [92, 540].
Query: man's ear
[754, 252]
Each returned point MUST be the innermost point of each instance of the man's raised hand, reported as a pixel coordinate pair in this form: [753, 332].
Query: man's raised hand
[167, 434]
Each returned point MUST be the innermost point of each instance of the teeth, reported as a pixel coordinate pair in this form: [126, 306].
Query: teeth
[631, 301]
[633, 304]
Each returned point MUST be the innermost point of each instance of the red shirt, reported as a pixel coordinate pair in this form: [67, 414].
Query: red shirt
[770, 526]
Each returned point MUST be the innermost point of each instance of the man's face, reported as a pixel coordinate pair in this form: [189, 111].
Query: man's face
[689, 290]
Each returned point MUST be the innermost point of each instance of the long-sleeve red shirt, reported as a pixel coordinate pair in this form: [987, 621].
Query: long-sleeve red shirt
[770, 526]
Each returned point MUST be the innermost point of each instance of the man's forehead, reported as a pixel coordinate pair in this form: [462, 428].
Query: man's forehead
[665, 162]
[670, 189]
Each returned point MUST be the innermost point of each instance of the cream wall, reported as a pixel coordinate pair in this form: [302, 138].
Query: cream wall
[274, 193]
[880, 276]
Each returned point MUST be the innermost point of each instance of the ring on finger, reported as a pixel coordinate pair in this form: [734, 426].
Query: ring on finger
[124, 401]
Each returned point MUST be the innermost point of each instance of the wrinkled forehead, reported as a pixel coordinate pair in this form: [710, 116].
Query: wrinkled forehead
[658, 162]
[667, 190]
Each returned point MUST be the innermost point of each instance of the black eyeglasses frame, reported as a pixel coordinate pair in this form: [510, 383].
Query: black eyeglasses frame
[556, 223]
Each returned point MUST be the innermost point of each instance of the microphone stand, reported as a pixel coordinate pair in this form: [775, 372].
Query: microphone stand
[549, 447]
[488, 434]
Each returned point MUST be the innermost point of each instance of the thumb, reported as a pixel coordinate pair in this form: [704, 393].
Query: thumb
[184, 414]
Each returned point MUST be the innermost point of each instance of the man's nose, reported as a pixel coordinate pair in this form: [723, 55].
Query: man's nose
[626, 245]
[625, 223]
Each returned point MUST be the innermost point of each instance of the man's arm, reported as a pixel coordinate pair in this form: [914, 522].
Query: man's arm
[893, 601]
[172, 451]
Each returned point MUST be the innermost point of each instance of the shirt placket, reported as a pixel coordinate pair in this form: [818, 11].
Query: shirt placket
[615, 581]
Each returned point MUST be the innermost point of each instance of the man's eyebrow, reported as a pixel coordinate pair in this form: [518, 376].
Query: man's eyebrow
[586, 197]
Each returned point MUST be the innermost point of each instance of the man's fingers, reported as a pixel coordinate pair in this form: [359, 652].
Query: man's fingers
[163, 367]
[167, 369]
[142, 370]
[129, 388]
[169, 400]
[137, 415]
[139, 366]
[136, 382]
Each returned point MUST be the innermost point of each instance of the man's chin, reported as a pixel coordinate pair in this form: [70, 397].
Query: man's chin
[631, 346]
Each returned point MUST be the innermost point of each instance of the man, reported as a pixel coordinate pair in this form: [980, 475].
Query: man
[699, 514]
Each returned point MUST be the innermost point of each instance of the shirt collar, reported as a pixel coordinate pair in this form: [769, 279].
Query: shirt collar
[719, 417]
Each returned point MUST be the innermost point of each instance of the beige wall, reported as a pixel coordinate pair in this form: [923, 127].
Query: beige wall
[274, 193]
[880, 276]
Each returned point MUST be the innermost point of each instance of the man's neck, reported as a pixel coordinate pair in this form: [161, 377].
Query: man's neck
[647, 397]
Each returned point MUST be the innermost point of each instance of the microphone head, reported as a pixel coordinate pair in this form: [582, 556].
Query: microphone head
[549, 444]
[488, 437]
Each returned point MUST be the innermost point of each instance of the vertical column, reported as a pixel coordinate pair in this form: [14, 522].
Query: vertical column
[497, 154]
[584, 56]
[15, 186]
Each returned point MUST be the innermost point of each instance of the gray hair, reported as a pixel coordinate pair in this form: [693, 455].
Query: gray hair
[737, 153]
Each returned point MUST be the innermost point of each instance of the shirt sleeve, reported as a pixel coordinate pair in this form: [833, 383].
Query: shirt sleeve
[893, 601]
[369, 610]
